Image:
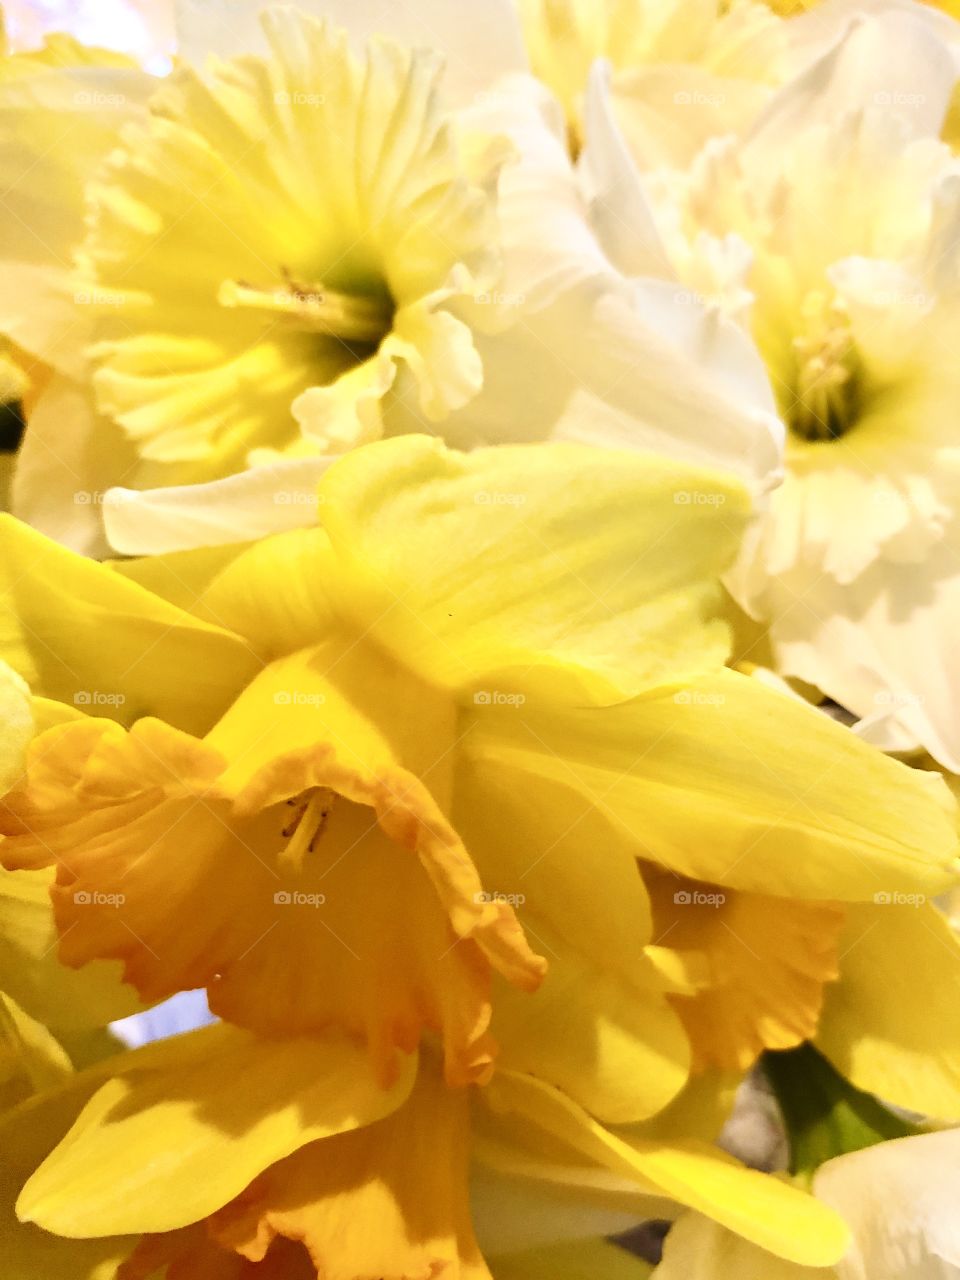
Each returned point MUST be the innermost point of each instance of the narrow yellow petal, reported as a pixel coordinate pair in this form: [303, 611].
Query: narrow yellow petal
[770, 1213]
[891, 1024]
[58, 612]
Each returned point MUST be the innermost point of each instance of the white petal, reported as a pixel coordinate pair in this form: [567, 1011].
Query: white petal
[252, 504]
[628, 365]
[620, 211]
[68, 458]
[900, 1200]
[699, 1249]
[885, 642]
[891, 63]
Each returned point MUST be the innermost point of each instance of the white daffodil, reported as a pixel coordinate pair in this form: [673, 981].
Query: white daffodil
[831, 230]
[898, 1198]
[509, 323]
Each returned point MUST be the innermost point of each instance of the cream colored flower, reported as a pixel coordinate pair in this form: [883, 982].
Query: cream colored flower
[830, 229]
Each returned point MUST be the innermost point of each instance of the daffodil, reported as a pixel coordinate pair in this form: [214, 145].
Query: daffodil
[485, 311]
[329, 1173]
[829, 228]
[382, 786]
[896, 1197]
[684, 72]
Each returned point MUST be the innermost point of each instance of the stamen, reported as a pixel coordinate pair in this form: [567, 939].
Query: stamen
[306, 827]
[315, 308]
[827, 395]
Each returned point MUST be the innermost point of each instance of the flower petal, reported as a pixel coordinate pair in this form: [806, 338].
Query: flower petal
[874, 1029]
[734, 783]
[466, 564]
[600, 1027]
[240, 508]
[58, 608]
[769, 960]
[696, 1246]
[31, 973]
[480, 44]
[155, 1149]
[16, 716]
[764, 1210]
[386, 1200]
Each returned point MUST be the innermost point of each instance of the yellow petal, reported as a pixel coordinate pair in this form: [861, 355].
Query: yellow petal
[59, 613]
[156, 1149]
[41, 1060]
[732, 783]
[386, 1200]
[600, 1027]
[767, 1212]
[28, 1134]
[466, 564]
[31, 973]
[16, 717]
[891, 1024]
[768, 961]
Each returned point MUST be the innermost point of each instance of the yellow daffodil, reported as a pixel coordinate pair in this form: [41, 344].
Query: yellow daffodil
[829, 228]
[334, 215]
[357, 780]
[328, 1173]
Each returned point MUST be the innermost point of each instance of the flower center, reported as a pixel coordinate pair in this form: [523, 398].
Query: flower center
[306, 826]
[314, 308]
[826, 395]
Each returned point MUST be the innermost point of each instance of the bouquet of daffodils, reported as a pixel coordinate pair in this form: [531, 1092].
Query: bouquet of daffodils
[480, 640]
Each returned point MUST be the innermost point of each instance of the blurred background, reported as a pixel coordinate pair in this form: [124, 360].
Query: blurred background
[142, 28]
